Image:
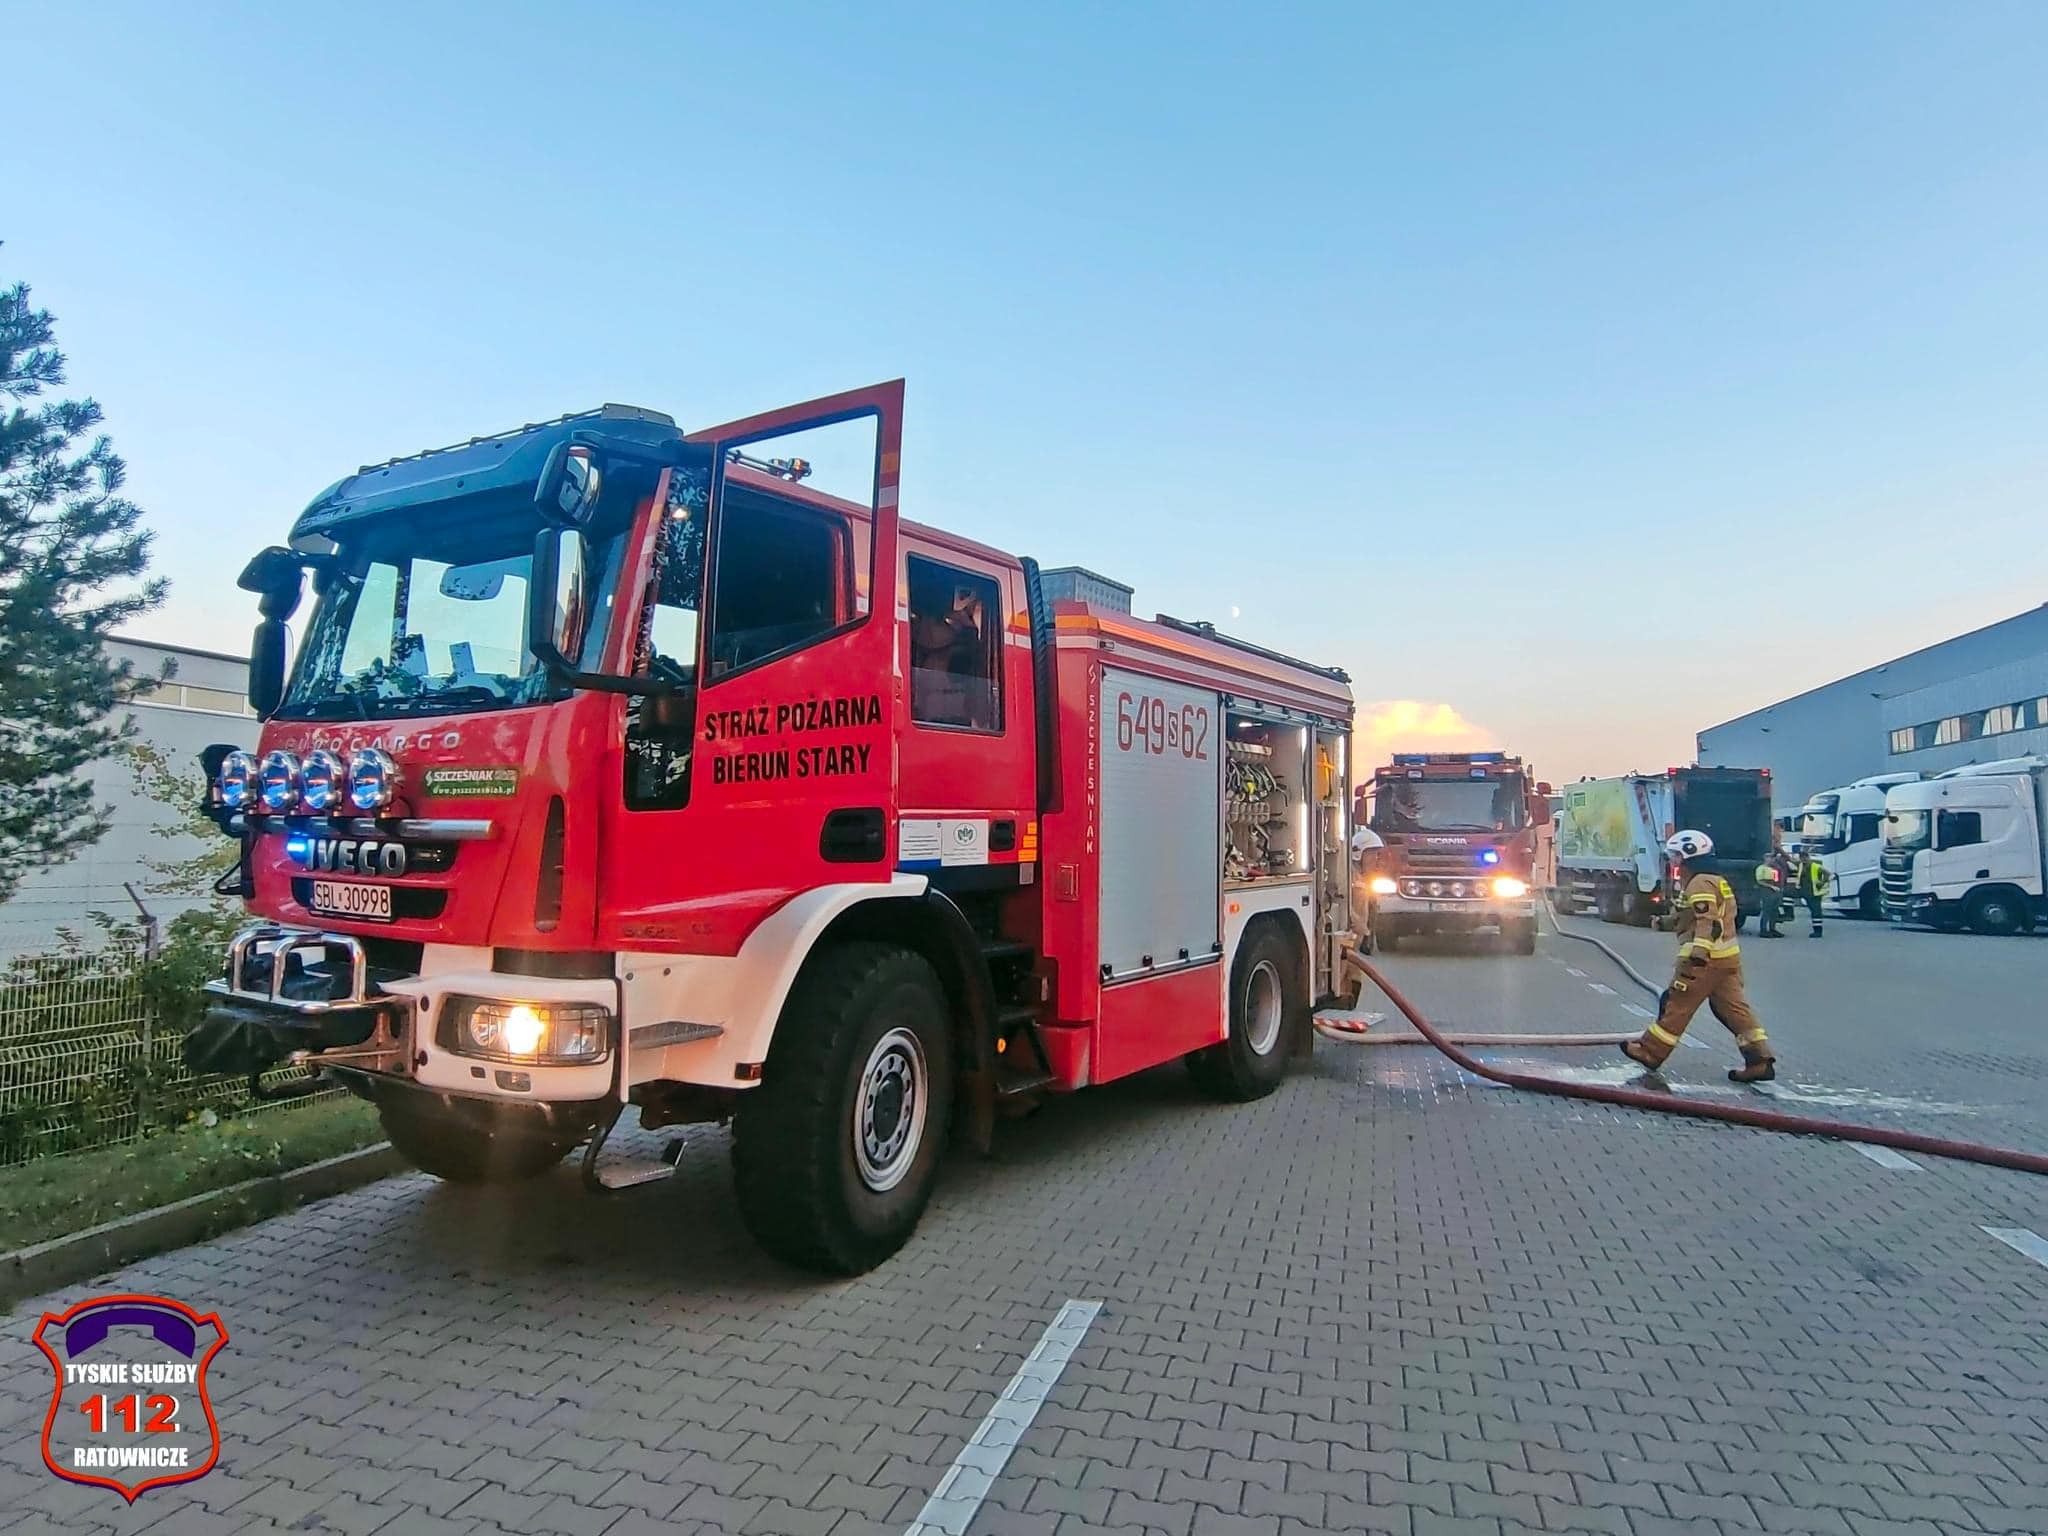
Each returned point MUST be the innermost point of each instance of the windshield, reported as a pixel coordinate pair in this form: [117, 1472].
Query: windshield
[1908, 830]
[424, 612]
[1449, 805]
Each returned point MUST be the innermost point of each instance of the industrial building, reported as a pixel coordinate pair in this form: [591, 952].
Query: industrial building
[203, 701]
[1976, 698]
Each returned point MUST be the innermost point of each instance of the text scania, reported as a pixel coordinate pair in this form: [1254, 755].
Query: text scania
[828, 714]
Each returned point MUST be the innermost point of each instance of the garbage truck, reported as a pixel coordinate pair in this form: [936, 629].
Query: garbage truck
[628, 771]
[1969, 848]
[1610, 842]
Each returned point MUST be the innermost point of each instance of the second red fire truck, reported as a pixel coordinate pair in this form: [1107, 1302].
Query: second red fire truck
[1459, 841]
[624, 767]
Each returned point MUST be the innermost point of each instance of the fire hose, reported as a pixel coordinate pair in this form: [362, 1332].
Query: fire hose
[1694, 1109]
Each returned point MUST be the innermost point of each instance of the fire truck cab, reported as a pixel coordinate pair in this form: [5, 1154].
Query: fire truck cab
[620, 766]
[1459, 834]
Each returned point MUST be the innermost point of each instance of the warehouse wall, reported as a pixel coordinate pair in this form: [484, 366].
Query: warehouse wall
[2021, 686]
[1838, 732]
[202, 703]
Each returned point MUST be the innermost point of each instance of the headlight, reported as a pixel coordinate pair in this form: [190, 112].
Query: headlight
[372, 779]
[237, 781]
[1508, 888]
[277, 782]
[1436, 887]
[1384, 885]
[561, 1033]
[324, 779]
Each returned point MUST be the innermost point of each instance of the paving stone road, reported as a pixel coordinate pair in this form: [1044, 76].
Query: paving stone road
[1387, 1299]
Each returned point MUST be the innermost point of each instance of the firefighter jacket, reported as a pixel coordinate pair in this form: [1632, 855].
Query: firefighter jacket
[1706, 920]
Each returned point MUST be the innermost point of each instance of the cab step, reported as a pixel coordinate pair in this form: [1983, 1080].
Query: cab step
[621, 1174]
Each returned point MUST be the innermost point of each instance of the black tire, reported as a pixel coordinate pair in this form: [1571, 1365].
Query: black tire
[465, 1154]
[1520, 936]
[1610, 905]
[1268, 1003]
[861, 1021]
[1561, 902]
[1995, 914]
[1870, 903]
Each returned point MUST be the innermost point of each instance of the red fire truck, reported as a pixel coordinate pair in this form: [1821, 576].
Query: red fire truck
[1459, 835]
[620, 766]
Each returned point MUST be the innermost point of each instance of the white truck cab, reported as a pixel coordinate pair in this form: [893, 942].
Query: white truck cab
[1847, 826]
[1966, 848]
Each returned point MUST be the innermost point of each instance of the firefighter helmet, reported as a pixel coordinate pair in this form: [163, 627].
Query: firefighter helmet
[1688, 845]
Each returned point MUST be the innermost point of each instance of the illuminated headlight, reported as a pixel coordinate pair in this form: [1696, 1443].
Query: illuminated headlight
[277, 782]
[564, 1034]
[1384, 885]
[372, 779]
[1508, 888]
[237, 781]
[324, 780]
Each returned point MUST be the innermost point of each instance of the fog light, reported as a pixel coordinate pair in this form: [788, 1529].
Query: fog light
[1436, 887]
[1457, 887]
[372, 779]
[277, 782]
[1384, 885]
[323, 779]
[1508, 888]
[560, 1033]
[237, 782]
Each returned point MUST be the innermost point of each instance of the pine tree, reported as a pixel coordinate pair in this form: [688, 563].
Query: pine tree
[74, 559]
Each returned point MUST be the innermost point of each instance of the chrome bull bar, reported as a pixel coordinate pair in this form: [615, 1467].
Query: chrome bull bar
[270, 947]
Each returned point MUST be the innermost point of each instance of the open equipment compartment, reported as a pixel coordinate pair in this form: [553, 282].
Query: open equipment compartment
[1266, 799]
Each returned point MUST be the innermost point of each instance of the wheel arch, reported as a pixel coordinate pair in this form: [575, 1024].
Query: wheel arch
[933, 926]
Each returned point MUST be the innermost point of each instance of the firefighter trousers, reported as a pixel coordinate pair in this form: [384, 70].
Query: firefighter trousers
[1718, 984]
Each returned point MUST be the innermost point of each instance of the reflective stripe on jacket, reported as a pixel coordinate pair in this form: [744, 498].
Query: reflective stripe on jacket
[1706, 919]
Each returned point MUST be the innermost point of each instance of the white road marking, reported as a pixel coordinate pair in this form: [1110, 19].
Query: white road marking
[1885, 1157]
[1639, 1011]
[2032, 1244]
[958, 1497]
[1573, 970]
[1597, 987]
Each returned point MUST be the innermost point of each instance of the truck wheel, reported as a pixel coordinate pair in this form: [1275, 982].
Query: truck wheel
[462, 1154]
[1266, 1004]
[835, 1155]
[1870, 903]
[1561, 901]
[1994, 913]
[1519, 936]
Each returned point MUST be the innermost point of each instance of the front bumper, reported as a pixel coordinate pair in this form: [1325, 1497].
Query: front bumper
[316, 997]
[1452, 916]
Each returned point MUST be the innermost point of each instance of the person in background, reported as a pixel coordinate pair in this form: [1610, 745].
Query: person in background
[1367, 847]
[1812, 886]
[1770, 877]
[1709, 970]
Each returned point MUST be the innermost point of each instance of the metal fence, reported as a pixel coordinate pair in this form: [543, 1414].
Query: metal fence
[85, 1063]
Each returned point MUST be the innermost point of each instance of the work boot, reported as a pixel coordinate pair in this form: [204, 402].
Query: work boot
[1639, 1053]
[1754, 1069]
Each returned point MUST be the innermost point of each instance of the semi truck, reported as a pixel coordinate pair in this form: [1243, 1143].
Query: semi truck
[1610, 846]
[1846, 828]
[1459, 843]
[1967, 848]
[624, 768]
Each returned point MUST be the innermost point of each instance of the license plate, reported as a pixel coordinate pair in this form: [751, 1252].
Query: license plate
[344, 898]
[1450, 906]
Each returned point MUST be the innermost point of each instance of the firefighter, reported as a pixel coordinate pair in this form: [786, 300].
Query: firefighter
[1813, 885]
[1769, 881]
[1709, 970]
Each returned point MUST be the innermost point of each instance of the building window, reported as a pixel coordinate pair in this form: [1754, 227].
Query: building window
[1958, 728]
[214, 701]
[1902, 739]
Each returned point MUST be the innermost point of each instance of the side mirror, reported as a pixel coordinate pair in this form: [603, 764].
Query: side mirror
[569, 485]
[554, 597]
[277, 576]
[1541, 807]
[266, 667]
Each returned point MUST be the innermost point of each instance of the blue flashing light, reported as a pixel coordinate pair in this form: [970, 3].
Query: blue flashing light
[1489, 855]
[298, 845]
[1403, 759]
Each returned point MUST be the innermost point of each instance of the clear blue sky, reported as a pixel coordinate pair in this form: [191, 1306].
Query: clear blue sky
[1597, 372]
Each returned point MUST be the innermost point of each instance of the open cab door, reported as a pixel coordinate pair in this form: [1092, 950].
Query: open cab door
[768, 602]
